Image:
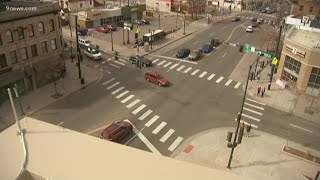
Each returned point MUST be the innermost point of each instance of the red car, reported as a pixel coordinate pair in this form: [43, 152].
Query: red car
[155, 77]
[117, 131]
[110, 27]
[103, 29]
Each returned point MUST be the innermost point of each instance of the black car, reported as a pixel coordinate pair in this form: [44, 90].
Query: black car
[254, 19]
[183, 53]
[144, 21]
[120, 23]
[237, 18]
[145, 62]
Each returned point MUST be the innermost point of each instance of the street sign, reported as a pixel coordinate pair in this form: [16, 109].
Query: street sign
[274, 61]
[267, 55]
[247, 47]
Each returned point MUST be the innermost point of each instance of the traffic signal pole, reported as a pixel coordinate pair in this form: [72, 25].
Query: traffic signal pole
[78, 47]
[238, 119]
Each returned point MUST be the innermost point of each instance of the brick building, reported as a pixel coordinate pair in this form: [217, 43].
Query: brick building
[30, 45]
[305, 7]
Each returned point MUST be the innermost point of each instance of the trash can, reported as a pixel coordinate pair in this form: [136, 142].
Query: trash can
[146, 47]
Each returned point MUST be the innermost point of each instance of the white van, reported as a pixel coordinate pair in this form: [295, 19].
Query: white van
[84, 42]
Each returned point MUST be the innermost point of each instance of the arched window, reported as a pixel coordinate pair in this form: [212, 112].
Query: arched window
[20, 33]
[30, 30]
[9, 36]
[51, 25]
[41, 28]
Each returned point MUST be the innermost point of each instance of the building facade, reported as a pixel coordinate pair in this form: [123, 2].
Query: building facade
[305, 7]
[30, 46]
[299, 65]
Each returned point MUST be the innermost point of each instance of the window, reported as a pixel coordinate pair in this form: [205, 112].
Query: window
[30, 30]
[20, 33]
[311, 9]
[44, 48]
[291, 69]
[9, 36]
[80, 5]
[23, 53]
[301, 8]
[13, 57]
[313, 86]
[51, 25]
[53, 44]
[34, 52]
[41, 28]
[3, 61]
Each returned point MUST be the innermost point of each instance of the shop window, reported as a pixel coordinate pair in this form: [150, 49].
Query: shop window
[34, 51]
[291, 69]
[9, 36]
[311, 9]
[20, 33]
[51, 25]
[301, 8]
[23, 53]
[30, 30]
[44, 48]
[53, 44]
[13, 57]
[81, 5]
[313, 86]
[3, 61]
[41, 28]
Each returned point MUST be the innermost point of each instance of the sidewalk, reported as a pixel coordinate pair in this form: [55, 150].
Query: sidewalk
[42, 97]
[259, 156]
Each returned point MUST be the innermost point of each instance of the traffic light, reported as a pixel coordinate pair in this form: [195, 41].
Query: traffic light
[229, 136]
[241, 133]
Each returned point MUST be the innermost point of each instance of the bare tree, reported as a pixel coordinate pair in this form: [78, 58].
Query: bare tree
[54, 73]
[269, 35]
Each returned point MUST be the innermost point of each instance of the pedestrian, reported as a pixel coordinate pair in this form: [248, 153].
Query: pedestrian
[259, 89]
[262, 92]
[258, 76]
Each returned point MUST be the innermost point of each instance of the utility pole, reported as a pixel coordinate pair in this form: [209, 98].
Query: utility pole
[238, 119]
[184, 25]
[123, 32]
[177, 20]
[151, 39]
[255, 69]
[159, 20]
[78, 50]
[71, 41]
[111, 41]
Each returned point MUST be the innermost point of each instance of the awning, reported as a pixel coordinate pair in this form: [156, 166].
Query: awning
[10, 77]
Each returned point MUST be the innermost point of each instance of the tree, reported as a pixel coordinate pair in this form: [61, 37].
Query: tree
[54, 73]
[269, 35]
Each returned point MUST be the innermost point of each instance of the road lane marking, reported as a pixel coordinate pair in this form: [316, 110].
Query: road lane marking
[109, 59]
[175, 144]
[246, 123]
[224, 55]
[145, 141]
[123, 60]
[228, 82]
[167, 135]
[253, 111]
[115, 65]
[139, 109]
[117, 90]
[210, 77]
[175, 59]
[255, 101]
[250, 117]
[162, 62]
[181, 67]
[237, 85]
[156, 60]
[147, 113]
[187, 70]
[211, 34]
[133, 103]
[219, 80]
[195, 72]
[196, 42]
[173, 66]
[127, 98]
[96, 66]
[122, 94]
[135, 135]
[108, 81]
[158, 129]
[119, 63]
[113, 85]
[103, 62]
[258, 107]
[166, 65]
[101, 69]
[304, 129]
[203, 74]
[152, 120]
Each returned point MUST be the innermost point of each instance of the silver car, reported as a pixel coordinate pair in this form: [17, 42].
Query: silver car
[195, 54]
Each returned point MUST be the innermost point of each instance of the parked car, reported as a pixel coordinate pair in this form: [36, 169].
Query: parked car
[207, 48]
[84, 42]
[111, 27]
[145, 62]
[120, 23]
[82, 32]
[155, 77]
[182, 53]
[269, 11]
[117, 131]
[93, 53]
[263, 10]
[138, 22]
[144, 21]
[234, 19]
[254, 24]
[260, 21]
[103, 29]
[249, 29]
[195, 54]
[254, 19]
[215, 42]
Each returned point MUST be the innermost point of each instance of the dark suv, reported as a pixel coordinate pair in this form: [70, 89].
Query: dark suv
[155, 77]
[145, 62]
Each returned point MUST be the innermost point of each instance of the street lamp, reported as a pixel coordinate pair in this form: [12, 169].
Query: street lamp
[184, 25]
[78, 51]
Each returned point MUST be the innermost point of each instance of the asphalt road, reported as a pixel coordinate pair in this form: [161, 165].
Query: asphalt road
[191, 104]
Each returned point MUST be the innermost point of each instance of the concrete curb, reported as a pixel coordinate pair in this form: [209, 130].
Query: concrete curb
[298, 157]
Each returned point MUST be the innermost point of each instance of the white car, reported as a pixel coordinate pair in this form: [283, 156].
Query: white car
[93, 53]
[249, 29]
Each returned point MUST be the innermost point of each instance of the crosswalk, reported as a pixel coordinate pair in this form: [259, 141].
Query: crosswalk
[160, 129]
[196, 72]
[110, 62]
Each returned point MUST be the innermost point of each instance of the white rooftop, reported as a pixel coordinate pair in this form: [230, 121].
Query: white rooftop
[305, 37]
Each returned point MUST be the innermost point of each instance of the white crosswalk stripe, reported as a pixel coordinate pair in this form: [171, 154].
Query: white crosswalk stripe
[152, 120]
[117, 62]
[237, 85]
[156, 60]
[187, 70]
[143, 116]
[210, 77]
[104, 83]
[139, 109]
[133, 103]
[228, 82]
[167, 135]
[181, 67]
[175, 144]
[173, 66]
[253, 111]
[195, 72]
[219, 80]
[123, 60]
[158, 128]
[162, 62]
[250, 117]
[255, 101]
[203, 74]
[258, 107]
[113, 65]
[122, 94]
[117, 90]
[166, 65]
[127, 98]
[103, 62]
[113, 85]
[109, 59]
